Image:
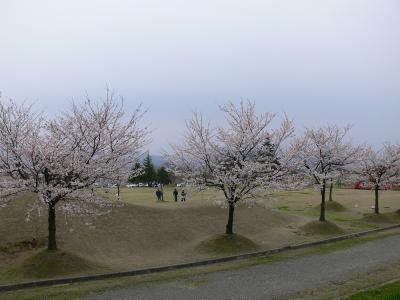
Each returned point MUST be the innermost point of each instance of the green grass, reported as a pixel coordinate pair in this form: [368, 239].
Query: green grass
[50, 264]
[308, 191]
[226, 244]
[378, 218]
[350, 210]
[334, 206]
[387, 292]
[284, 208]
[145, 196]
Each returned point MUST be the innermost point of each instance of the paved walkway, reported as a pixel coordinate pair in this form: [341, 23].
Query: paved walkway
[271, 281]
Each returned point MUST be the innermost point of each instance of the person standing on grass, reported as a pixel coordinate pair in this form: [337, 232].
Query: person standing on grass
[158, 194]
[183, 196]
[160, 188]
[175, 193]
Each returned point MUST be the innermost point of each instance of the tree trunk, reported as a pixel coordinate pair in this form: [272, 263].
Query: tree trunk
[229, 225]
[322, 212]
[118, 192]
[331, 192]
[52, 242]
[377, 199]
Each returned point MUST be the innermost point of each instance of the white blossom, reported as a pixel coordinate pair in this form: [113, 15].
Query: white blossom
[325, 154]
[239, 158]
[59, 159]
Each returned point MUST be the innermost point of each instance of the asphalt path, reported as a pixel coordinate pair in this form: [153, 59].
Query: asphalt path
[276, 280]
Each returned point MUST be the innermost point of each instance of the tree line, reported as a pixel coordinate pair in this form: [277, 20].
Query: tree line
[149, 174]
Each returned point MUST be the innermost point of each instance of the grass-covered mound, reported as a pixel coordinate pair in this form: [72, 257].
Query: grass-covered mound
[334, 206]
[51, 264]
[226, 244]
[330, 206]
[377, 218]
[322, 228]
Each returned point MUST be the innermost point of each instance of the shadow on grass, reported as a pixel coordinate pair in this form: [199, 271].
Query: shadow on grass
[226, 244]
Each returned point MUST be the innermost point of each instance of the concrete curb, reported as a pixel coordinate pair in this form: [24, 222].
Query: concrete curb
[51, 282]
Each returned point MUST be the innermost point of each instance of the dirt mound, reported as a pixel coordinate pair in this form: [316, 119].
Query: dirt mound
[377, 218]
[227, 244]
[334, 206]
[52, 264]
[322, 228]
[331, 206]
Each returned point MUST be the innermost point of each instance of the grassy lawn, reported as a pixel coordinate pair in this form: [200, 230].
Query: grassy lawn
[351, 209]
[141, 232]
[147, 197]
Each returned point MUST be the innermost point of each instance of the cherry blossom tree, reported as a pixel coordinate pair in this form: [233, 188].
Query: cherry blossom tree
[237, 158]
[378, 169]
[61, 159]
[325, 155]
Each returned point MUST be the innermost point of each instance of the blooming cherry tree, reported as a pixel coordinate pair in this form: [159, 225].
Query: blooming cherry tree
[378, 169]
[324, 156]
[60, 159]
[237, 158]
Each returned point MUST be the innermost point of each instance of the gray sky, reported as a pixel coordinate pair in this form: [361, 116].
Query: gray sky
[319, 61]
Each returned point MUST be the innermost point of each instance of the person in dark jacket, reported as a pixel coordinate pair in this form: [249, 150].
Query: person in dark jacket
[158, 194]
[175, 193]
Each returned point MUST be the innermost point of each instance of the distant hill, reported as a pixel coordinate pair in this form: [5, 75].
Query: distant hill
[158, 160]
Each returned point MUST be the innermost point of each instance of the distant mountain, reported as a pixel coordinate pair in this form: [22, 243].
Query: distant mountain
[158, 160]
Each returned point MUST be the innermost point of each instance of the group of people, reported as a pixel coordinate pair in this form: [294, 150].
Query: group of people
[175, 193]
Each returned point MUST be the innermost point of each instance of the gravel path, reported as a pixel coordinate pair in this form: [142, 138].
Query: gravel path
[270, 281]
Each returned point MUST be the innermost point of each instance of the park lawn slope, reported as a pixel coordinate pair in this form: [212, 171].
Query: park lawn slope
[133, 236]
[145, 233]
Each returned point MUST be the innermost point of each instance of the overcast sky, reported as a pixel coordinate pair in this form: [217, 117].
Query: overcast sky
[318, 61]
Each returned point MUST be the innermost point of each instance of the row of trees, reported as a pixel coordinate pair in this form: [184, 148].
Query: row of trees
[149, 174]
[62, 158]
[248, 154]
